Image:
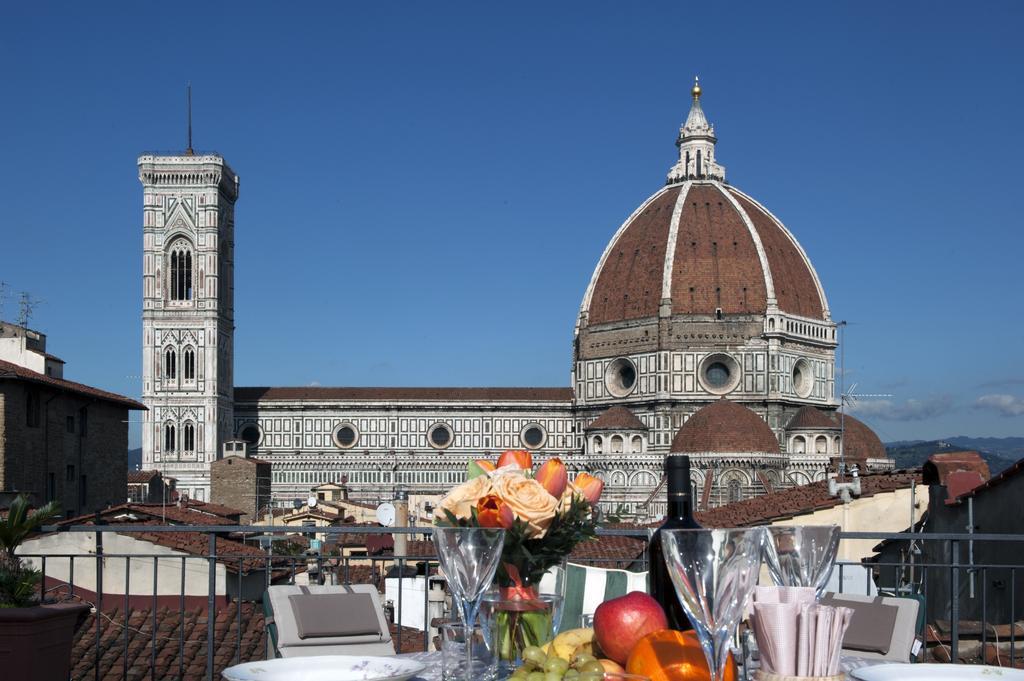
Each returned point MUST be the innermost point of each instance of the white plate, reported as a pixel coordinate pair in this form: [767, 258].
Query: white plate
[326, 668]
[935, 672]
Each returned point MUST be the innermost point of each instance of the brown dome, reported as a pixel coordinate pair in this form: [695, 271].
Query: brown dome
[725, 427]
[811, 418]
[726, 252]
[616, 418]
[859, 441]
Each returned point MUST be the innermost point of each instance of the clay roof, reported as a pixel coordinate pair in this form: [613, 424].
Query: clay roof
[859, 441]
[11, 371]
[715, 263]
[797, 501]
[811, 417]
[996, 480]
[256, 394]
[238, 637]
[617, 418]
[141, 477]
[724, 426]
[214, 509]
[173, 514]
[939, 467]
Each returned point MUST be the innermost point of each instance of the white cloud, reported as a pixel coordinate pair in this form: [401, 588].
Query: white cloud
[909, 410]
[1004, 405]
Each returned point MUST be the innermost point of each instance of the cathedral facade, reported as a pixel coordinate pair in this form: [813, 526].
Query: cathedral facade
[704, 330]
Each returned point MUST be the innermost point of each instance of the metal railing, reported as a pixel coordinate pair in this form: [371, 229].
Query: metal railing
[913, 574]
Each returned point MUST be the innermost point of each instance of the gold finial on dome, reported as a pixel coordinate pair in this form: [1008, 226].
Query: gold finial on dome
[696, 88]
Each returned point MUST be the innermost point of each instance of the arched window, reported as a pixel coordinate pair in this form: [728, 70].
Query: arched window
[799, 445]
[169, 438]
[188, 357]
[188, 437]
[638, 444]
[821, 444]
[598, 444]
[170, 363]
[616, 444]
[734, 491]
[181, 270]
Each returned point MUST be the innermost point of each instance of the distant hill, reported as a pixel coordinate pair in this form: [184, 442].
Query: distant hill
[999, 452]
[135, 459]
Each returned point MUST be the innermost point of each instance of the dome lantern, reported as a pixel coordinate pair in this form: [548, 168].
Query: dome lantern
[696, 144]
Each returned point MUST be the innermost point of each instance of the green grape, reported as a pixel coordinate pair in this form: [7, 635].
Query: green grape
[556, 665]
[552, 676]
[536, 676]
[591, 676]
[535, 655]
[591, 666]
[581, 659]
[520, 673]
[570, 674]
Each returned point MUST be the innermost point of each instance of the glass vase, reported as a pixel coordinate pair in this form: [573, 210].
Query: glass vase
[518, 618]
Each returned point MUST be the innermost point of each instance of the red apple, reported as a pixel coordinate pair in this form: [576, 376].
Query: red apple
[621, 622]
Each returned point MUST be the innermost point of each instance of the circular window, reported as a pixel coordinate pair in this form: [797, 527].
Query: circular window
[346, 436]
[251, 433]
[719, 373]
[803, 378]
[439, 436]
[533, 436]
[620, 377]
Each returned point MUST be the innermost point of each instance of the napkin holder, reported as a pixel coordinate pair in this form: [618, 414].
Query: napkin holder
[760, 675]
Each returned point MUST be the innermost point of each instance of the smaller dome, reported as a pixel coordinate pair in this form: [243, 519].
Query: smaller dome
[616, 418]
[860, 442]
[725, 427]
[811, 418]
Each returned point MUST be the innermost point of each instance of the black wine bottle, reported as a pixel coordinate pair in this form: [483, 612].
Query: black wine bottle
[678, 517]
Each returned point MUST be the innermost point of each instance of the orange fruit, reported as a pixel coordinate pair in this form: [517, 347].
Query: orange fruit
[670, 655]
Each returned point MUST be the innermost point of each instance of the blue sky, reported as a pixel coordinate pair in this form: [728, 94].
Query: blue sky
[427, 187]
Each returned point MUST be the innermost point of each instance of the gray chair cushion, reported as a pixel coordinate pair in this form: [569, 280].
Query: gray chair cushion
[323, 615]
[290, 643]
[871, 627]
[903, 632]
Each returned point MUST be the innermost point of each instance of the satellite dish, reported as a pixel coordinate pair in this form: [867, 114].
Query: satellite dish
[311, 502]
[386, 514]
[297, 504]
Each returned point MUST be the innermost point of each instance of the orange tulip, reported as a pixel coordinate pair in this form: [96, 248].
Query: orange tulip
[590, 486]
[553, 477]
[479, 467]
[486, 465]
[517, 457]
[491, 511]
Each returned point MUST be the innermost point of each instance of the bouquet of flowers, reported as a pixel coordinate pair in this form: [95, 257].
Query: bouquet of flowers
[544, 515]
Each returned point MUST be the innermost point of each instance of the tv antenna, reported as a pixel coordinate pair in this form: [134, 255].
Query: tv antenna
[3, 296]
[188, 107]
[27, 305]
[847, 397]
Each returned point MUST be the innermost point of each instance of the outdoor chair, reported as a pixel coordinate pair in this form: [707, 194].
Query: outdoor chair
[587, 587]
[882, 628]
[325, 620]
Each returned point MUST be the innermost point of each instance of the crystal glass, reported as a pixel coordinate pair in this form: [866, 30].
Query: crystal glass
[552, 586]
[482, 663]
[801, 555]
[469, 557]
[714, 572]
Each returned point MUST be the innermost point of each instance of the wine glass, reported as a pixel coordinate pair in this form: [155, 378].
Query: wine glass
[469, 557]
[801, 555]
[714, 573]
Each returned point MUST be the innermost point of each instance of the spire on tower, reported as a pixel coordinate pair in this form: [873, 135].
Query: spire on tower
[696, 144]
[188, 97]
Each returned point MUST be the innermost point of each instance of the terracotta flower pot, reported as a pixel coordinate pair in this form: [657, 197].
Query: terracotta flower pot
[35, 643]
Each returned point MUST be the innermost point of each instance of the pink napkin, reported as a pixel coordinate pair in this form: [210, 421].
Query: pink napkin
[796, 636]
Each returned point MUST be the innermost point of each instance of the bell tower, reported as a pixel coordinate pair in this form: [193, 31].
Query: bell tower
[187, 314]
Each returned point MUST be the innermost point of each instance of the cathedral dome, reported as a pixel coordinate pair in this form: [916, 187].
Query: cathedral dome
[725, 427]
[860, 442]
[700, 247]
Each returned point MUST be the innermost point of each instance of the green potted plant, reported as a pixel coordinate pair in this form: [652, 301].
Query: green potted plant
[35, 637]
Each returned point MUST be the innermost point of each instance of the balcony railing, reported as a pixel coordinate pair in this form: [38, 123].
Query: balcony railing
[182, 589]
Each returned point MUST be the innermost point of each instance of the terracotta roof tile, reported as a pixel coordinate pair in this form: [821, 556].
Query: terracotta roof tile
[617, 418]
[11, 371]
[725, 426]
[1007, 474]
[811, 417]
[799, 500]
[161, 657]
[141, 477]
[939, 467]
[256, 394]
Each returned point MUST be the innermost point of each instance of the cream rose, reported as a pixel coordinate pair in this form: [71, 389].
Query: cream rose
[571, 490]
[529, 501]
[462, 500]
